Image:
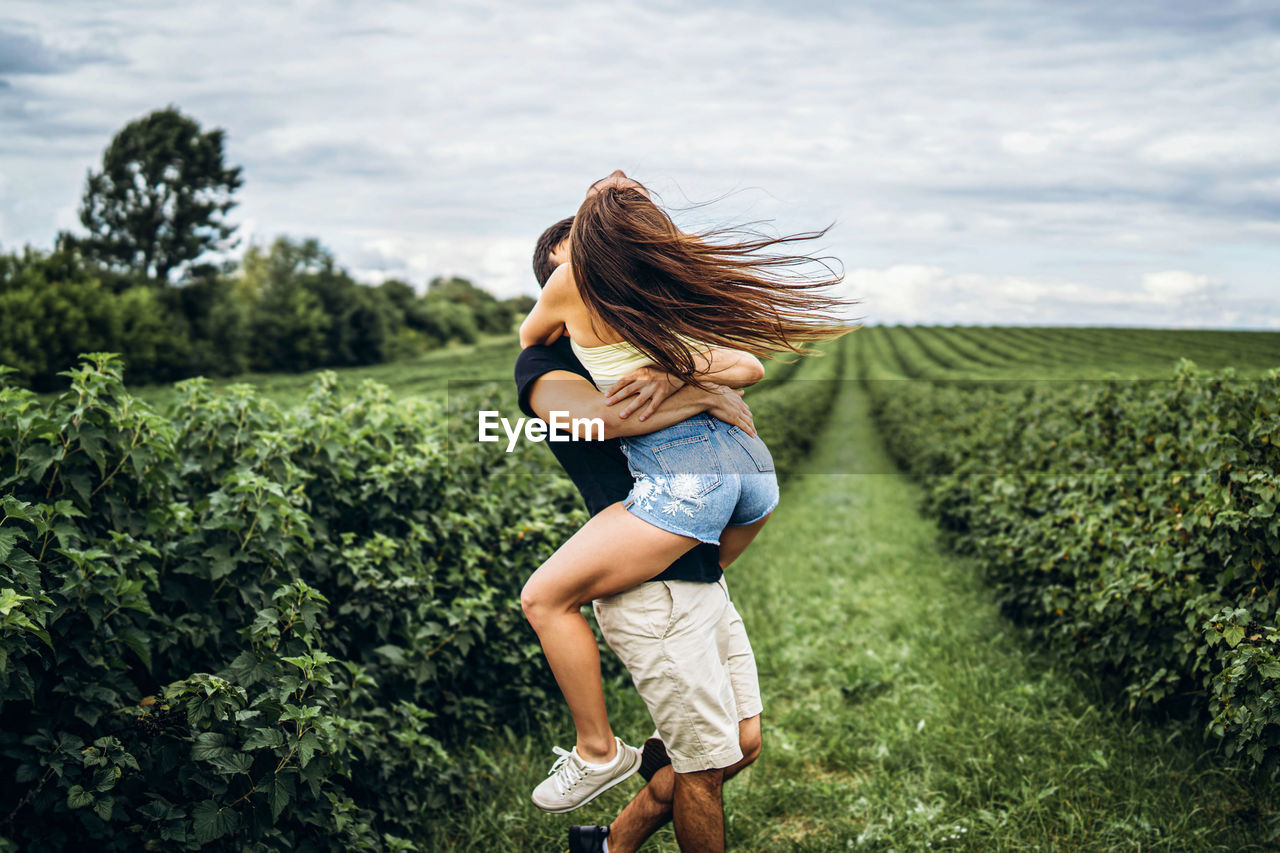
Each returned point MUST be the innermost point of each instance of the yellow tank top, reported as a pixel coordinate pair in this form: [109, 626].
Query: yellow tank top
[609, 362]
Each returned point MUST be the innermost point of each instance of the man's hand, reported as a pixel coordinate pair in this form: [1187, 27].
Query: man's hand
[727, 405]
[650, 387]
[646, 386]
[566, 391]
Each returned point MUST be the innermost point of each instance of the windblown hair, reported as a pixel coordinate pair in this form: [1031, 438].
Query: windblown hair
[662, 289]
[552, 237]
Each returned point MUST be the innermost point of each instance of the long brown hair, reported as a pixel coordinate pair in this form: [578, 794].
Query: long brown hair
[662, 289]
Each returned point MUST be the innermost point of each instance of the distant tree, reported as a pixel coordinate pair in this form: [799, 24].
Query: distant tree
[489, 315]
[289, 324]
[153, 339]
[399, 293]
[161, 199]
[51, 309]
[218, 323]
[520, 305]
[450, 321]
[458, 290]
[367, 327]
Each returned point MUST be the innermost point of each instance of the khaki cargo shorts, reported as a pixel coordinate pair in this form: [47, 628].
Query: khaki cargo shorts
[688, 654]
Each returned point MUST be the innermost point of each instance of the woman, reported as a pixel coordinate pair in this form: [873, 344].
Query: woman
[638, 292]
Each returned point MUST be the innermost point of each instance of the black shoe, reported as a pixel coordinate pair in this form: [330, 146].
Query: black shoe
[653, 757]
[587, 839]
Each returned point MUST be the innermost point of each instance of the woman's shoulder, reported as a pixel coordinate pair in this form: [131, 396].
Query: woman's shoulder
[562, 285]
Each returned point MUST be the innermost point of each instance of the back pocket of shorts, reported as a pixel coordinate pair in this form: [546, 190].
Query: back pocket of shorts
[691, 466]
[756, 449]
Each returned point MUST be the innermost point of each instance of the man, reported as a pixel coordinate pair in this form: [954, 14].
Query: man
[679, 635]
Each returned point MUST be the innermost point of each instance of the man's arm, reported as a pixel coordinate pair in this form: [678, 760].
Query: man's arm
[565, 391]
[648, 387]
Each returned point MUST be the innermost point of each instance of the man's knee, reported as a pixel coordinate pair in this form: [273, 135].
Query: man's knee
[701, 781]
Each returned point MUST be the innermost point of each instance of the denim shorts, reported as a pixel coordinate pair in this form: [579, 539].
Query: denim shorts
[699, 476]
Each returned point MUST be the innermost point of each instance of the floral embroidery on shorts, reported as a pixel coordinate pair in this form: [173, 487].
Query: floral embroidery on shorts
[680, 493]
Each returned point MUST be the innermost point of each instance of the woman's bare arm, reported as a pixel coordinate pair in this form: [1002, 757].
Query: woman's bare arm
[731, 367]
[545, 322]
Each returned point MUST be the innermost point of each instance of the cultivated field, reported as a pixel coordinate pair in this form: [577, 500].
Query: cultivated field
[282, 615]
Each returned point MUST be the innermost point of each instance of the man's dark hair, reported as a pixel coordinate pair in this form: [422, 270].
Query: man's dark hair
[552, 237]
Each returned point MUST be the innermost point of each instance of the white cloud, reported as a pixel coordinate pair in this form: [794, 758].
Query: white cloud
[1021, 142]
[1173, 286]
[907, 293]
[1053, 142]
[1209, 149]
[502, 264]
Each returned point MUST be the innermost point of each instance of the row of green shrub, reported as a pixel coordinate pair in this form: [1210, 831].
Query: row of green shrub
[285, 308]
[247, 628]
[790, 412]
[240, 623]
[1132, 525]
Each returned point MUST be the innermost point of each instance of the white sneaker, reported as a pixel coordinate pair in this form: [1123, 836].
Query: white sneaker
[573, 782]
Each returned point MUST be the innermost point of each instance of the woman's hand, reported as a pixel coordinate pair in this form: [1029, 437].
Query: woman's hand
[645, 386]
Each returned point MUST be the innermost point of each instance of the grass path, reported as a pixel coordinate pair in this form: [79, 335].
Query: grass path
[902, 712]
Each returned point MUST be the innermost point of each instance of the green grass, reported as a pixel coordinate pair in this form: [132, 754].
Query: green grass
[937, 352]
[902, 711]
[490, 358]
[960, 352]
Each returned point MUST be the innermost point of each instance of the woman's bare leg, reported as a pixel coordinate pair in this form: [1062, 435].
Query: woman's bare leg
[612, 553]
[735, 539]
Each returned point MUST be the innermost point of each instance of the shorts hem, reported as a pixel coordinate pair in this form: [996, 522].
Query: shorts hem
[712, 761]
[758, 517]
[663, 524]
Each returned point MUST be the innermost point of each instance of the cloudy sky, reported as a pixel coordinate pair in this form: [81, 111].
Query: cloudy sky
[983, 162]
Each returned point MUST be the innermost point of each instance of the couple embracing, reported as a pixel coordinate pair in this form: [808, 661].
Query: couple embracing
[656, 331]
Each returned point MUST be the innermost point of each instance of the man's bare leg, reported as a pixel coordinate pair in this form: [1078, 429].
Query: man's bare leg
[697, 812]
[653, 806]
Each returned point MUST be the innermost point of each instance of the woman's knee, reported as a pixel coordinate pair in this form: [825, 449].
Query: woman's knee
[533, 602]
[540, 601]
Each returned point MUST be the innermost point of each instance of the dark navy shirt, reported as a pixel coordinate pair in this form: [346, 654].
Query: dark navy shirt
[598, 468]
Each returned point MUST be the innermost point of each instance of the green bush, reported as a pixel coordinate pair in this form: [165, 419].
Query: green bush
[245, 628]
[790, 413]
[1132, 525]
[255, 626]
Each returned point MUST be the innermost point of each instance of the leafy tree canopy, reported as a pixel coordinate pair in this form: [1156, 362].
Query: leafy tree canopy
[160, 201]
